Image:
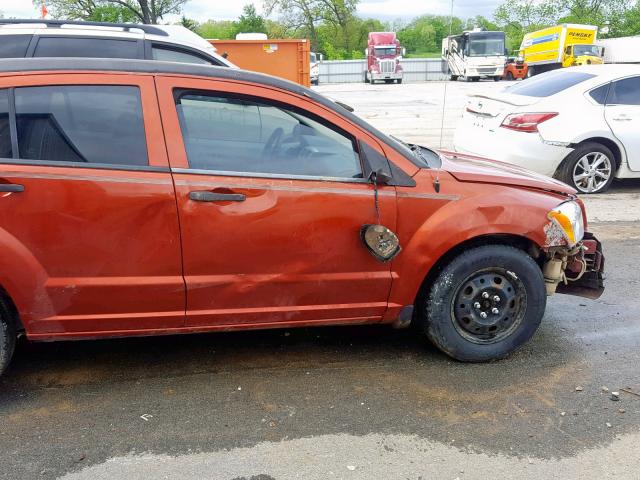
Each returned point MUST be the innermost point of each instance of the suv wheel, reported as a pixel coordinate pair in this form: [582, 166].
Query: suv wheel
[7, 337]
[485, 304]
[589, 168]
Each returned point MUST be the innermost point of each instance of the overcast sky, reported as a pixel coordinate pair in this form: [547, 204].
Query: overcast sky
[202, 10]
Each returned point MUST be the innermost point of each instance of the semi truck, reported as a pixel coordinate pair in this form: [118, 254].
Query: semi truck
[621, 50]
[561, 46]
[474, 55]
[383, 58]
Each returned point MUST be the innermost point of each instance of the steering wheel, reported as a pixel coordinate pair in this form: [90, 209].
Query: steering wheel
[272, 144]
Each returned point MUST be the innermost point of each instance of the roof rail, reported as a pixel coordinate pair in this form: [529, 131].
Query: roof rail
[152, 29]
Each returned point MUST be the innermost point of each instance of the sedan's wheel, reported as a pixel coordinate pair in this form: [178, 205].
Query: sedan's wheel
[485, 304]
[7, 337]
[589, 168]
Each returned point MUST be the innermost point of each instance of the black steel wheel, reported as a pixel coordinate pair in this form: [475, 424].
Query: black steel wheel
[486, 303]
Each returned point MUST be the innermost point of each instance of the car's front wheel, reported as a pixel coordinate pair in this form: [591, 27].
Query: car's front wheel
[589, 168]
[485, 303]
[7, 337]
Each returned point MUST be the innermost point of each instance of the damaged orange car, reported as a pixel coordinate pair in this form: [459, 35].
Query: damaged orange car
[143, 198]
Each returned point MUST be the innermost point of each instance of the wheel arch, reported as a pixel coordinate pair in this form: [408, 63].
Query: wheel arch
[616, 149]
[512, 240]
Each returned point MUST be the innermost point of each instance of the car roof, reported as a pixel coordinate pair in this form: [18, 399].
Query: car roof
[21, 66]
[607, 71]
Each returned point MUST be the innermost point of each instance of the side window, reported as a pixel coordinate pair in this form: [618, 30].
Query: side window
[81, 123]
[231, 134]
[173, 55]
[5, 134]
[600, 94]
[14, 46]
[625, 92]
[85, 47]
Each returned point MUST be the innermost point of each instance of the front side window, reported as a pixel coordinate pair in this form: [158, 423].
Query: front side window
[86, 47]
[81, 123]
[5, 132]
[625, 92]
[229, 134]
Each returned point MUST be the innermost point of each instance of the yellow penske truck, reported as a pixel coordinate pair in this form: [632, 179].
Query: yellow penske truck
[564, 45]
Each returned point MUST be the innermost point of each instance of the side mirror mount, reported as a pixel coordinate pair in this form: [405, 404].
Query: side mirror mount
[380, 177]
[377, 168]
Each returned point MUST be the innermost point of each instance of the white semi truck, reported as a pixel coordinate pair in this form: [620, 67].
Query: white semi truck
[621, 50]
[474, 55]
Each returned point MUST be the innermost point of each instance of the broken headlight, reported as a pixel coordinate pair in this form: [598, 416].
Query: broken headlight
[568, 218]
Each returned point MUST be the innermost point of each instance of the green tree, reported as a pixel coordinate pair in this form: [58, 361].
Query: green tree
[111, 13]
[250, 21]
[189, 23]
[424, 34]
[213, 29]
[299, 17]
[144, 11]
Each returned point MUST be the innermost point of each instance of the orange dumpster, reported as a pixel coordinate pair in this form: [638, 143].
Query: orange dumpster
[289, 59]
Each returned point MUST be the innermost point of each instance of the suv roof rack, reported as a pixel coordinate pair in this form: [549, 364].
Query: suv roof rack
[152, 29]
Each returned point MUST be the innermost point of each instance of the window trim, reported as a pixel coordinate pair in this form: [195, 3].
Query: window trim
[178, 93]
[13, 131]
[33, 46]
[592, 100]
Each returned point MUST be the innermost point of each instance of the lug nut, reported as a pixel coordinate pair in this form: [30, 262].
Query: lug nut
[496, 298]
[483, 315]
[495, 311]
[485, 295]
[477, 306]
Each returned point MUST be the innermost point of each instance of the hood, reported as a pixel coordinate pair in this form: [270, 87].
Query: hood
[468, 168]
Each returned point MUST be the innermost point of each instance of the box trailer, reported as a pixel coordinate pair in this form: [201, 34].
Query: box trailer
[621, 50]
[288, 59]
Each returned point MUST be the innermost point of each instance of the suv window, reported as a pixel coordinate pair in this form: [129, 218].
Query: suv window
[173, 55]
[86, 47]
[625, 92]
[91, 124]
[549, 83]
[232, 134]
[14, 46]
[5, 132]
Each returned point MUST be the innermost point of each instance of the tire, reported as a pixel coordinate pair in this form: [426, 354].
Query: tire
[455, 330]
[510, 76]
[388, 81]
[453, 78]
[497, 79]
[475, 79]
[399, 81]
[590, 153]
[7, 337]
[531, 71]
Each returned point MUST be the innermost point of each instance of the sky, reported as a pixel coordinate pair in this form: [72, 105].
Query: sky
[202, 10]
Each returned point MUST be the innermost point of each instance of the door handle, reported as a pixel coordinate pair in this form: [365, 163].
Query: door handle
[11, 187]
[206, 196]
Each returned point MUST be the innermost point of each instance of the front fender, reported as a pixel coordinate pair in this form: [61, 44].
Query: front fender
[438, 224]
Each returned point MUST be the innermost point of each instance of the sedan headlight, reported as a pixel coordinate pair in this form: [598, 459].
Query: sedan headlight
[568, 217]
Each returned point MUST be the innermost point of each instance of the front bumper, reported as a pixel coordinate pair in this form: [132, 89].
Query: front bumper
[386, 76]
[590, 282]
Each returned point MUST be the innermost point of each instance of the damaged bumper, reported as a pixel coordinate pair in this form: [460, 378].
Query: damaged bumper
[576, 271]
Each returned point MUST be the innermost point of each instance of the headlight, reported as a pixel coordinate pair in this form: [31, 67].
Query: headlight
[568, 217]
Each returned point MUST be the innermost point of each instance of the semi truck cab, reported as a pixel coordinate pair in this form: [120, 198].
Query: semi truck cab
[383, 58]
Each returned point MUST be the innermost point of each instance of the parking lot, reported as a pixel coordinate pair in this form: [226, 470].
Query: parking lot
[352, 403]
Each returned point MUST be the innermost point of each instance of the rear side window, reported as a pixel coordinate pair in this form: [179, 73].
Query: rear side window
[600, 94]
[548, 84]
[625, 92]
[85, 47]
[173, 55]
[5, 134]
[14, 46]
[85, 124]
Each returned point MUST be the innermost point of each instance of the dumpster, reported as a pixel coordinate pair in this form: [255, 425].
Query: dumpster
[287, 59]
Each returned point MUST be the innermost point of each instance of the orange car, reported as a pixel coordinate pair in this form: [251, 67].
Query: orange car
[144, 198]
[515, 69]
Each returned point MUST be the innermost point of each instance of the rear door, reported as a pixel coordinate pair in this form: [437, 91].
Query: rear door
[88, 221]
[623, 116]
[271, 201]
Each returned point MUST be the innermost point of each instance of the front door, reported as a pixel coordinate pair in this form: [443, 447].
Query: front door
[623, 116]
[271, 201]
[89, 227]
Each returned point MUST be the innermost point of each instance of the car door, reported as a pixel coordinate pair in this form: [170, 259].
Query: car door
[271, 201]
[88, 222]
[622, 113]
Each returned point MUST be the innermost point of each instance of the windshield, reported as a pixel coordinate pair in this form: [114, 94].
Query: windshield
[486, 44]
[385, 51]
[586, 50]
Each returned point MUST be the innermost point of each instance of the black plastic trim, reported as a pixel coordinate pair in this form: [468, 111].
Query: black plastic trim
[96, 166]
[13, 125]
[180, 48]
[151, 29]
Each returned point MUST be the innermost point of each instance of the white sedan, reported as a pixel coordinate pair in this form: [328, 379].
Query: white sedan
[579, 124]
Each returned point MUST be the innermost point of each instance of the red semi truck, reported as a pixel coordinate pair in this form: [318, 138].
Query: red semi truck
[383, 58]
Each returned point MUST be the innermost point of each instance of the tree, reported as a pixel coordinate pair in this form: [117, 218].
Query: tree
[189, 23]
[424, 34]
[144, 11]
[111, 13]
[250, 21]
[340, 15]
[298, 16]
[222, 30]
